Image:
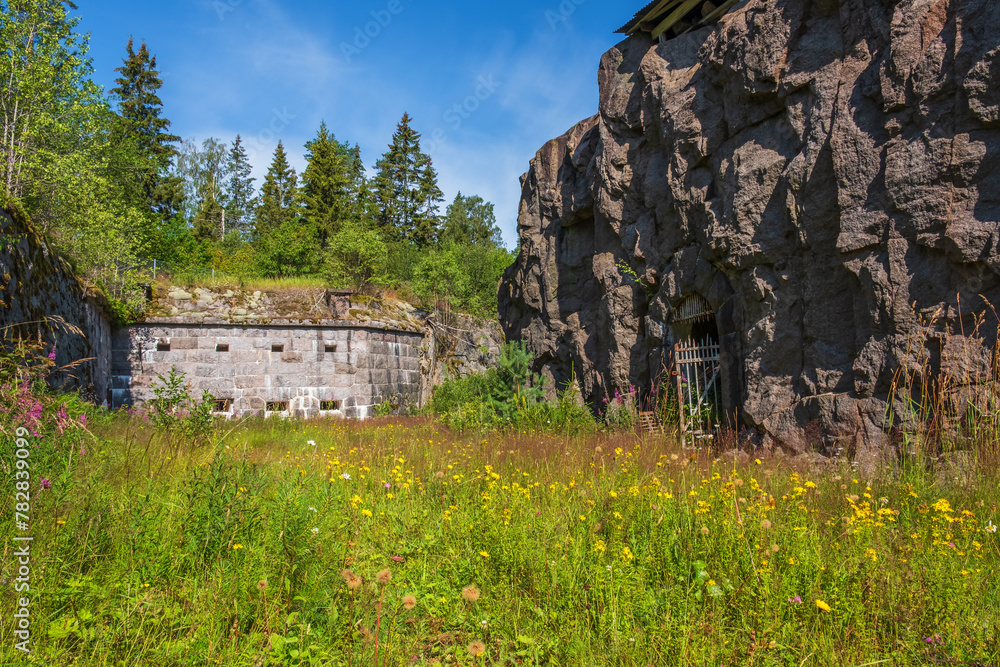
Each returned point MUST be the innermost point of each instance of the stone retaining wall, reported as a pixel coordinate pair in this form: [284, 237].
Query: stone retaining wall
[41, 298]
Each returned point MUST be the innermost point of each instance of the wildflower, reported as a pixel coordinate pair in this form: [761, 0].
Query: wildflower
[765, 524]
[315, 530]
[311, 442]
[476, 648]
[409, 602]
[237, 546]
[822, 605]
[627, 554]
[388, 485]
[483, 623]
[46, 483]
[775, 548]
[353, 580]
[262, 585]
[795, 600]
[704, 530]
[383, 576]
[312, 509]
[346, 476]
[990, 528]
[470, 593]
[757, 461]
[367, 513]
[484, 554]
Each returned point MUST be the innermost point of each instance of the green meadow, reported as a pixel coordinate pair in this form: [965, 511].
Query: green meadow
[398, 541]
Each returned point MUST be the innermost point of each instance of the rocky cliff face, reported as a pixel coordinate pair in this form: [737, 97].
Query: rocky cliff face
[825, 173]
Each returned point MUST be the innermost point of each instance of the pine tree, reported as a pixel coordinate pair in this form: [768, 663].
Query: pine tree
[406, 190]
[279, 195]
[329, 184]
[140, 109]
[242, 199]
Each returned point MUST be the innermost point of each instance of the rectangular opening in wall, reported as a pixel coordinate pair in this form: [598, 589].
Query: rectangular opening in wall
[329, 405]
[277, 406]
[222, 347]
[162, 346]
[277, 348]
[223, 404]
[330, 347]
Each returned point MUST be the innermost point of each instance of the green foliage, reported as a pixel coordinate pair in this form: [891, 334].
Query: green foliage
[279, 200]
[173, 407]
[510, 396]
[357, 258]
[406, 190]
[222, 508]
[590, 550]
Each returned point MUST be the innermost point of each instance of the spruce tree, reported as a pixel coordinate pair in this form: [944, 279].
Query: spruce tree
[329, 184]
[406, 190]
[140, 108]
[279, 195]
[242, 199]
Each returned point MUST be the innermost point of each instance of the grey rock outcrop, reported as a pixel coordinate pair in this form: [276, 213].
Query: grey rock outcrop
[824, 173]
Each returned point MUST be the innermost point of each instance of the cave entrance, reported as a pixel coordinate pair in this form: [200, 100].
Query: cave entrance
[697, 368]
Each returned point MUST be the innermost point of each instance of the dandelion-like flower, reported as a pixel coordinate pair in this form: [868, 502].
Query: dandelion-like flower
[470, 593]
[409, 602]
[476, 648]
[383, 576]
[704, 530]
[822, 605]
[353, 581]
[765, 524]
[262, 585]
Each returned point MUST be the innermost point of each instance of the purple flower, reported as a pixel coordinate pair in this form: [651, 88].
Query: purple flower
[795, 600]
[388, 485]
[46, 483]
[52, 353]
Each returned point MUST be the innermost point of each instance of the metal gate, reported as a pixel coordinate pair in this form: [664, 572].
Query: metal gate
[697, 364]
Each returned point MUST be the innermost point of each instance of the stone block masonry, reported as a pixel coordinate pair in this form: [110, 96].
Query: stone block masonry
[42, 298]
[299, 370]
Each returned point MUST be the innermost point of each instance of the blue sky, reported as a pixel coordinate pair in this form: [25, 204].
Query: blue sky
[519, 72]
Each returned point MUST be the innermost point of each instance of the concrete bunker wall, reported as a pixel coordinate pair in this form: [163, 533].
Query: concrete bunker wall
[301, 370]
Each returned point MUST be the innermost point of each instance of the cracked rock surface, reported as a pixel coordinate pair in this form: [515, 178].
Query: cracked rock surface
[825, 173]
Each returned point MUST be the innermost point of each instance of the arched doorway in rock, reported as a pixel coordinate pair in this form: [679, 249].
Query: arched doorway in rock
[697, 368]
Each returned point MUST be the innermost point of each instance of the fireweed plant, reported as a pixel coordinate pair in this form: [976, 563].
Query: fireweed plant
[283, 542]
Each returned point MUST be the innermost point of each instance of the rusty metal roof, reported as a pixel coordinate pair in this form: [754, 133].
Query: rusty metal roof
[659, 16]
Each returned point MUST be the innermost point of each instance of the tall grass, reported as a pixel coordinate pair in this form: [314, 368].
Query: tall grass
[945, 393]
[298, 543]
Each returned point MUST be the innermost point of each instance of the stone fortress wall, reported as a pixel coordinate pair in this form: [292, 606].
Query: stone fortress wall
[42, 299]
[302, 370]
